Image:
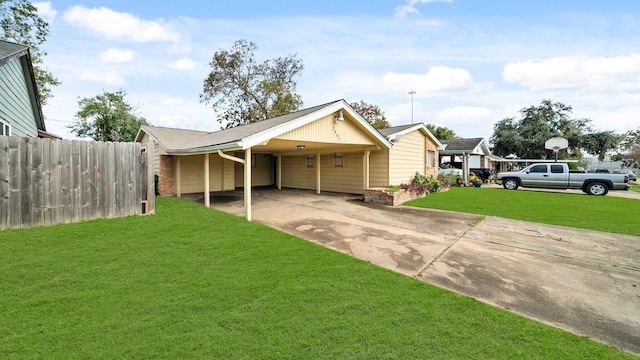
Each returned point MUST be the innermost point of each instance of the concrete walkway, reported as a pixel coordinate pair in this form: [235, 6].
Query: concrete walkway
[583, 281]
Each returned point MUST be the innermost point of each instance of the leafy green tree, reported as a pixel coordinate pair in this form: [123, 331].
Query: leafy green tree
[372, 113]
[107, 117]
[20, 23]
[525, 137]
[600, 143]
[242, 90]
[442, 132]
[630, 148]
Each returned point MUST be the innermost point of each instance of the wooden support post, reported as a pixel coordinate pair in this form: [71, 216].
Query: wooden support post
[365, 173]
[247, 184]
[318, 173]
[279, 174]
[177, 176]
[207, 195]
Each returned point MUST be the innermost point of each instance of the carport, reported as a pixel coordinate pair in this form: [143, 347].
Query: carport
[324, 148]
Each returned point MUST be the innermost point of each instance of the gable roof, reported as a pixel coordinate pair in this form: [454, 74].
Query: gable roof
[181, 141]
[459, 146]
[395, 133]
[10, 51]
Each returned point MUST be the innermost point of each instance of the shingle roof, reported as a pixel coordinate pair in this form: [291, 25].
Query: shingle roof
[9, 50]
[395, 129]
[193, 140]
[462, 144]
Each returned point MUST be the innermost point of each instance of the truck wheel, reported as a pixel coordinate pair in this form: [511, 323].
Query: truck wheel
[510, 184]
[597, 188]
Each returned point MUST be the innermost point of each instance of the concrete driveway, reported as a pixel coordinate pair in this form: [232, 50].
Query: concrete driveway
[586, 282]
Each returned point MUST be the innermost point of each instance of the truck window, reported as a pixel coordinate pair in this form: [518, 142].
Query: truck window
[538, 169]
[557, 169]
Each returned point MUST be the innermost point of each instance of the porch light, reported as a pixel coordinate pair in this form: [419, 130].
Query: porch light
[300, 147]
[340, 116]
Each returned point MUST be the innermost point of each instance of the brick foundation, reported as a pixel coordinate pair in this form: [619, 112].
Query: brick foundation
[166, 176]
[380, 196]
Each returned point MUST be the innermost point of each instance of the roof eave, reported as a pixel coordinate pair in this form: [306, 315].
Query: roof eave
[232, 146]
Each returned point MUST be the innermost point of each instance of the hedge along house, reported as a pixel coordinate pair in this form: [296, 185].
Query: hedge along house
[328, 147]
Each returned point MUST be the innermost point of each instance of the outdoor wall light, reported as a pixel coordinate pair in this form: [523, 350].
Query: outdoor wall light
[340, 116]
[300, 147]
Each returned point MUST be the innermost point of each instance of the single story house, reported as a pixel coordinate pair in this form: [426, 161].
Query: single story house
[20, 110]
[465, 154]
[328, 147]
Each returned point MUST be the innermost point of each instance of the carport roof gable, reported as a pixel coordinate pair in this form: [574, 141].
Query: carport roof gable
[182, 141]
[304, 117]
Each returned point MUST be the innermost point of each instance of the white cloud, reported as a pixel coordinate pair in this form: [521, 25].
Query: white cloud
[172, 101]
[183, 64]
[409, 7]
[107, 78]
[116, 55]
[439, 80]
[46, 11]
[618, 73]
[119, 26]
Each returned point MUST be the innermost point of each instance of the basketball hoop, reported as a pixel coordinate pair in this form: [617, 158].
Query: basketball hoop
[555, 144]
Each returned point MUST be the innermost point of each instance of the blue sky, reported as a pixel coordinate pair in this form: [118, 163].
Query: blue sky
[470, 62]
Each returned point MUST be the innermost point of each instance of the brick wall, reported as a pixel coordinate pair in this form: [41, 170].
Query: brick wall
[166, 180]
[379, 196]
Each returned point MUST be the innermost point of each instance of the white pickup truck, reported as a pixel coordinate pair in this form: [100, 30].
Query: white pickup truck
[558, 176]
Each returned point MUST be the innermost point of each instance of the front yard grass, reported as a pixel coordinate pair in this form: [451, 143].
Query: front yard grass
[191, 282]
[601, 213]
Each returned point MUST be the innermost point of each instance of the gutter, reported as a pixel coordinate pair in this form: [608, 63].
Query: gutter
[206, 150]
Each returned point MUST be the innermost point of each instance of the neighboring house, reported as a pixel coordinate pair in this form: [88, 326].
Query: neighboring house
[465, 154]
[20, 111]
[328, 147]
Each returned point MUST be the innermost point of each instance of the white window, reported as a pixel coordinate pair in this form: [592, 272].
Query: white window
[431, 158]
[310, 160]
[338, 159]
[5, 128]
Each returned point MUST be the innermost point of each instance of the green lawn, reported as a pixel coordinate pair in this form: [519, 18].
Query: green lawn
[635, 186]
[191, 282]
[602, 213]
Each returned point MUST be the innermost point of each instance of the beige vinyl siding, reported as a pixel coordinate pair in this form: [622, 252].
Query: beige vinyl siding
[192, 173]
[407, 157]
[346, 179]
[15, 100]
[327, 129]
[261, 174]
[379, 168]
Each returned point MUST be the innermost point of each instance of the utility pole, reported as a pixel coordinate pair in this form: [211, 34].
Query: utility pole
[411, 93]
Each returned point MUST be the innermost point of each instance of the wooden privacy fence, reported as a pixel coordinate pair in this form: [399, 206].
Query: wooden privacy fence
[46, 182]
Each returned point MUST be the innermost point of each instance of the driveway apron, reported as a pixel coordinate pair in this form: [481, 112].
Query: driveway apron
[582, 281]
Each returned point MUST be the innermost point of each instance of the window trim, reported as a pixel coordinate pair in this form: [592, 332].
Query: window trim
[311, 163]
[5, 127]
[431, 159]
[338, 159]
